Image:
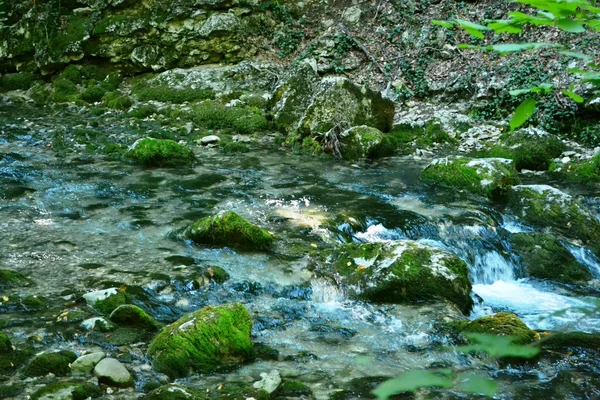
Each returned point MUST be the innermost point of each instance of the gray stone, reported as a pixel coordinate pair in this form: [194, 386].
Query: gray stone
[209, 140]
[269, 382]
[352, 15]
[92, 298]
[86, 363]
[98, 324]
[219, 24]
[111, 372]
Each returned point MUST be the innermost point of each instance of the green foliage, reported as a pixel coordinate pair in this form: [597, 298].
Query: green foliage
[143, 111]
[212, 115]
[64, 91]
[117, 101]
[167, 94]
[287, 40]
[522, 113]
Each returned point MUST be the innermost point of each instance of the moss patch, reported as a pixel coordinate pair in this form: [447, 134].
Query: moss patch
[228, 229]
[17, 81]
[134, 316]
[544, 257]
[587, 171]
[78, 390]
[160, 153]
[292, 388]
[56, 363]
[9, 279]
[205, 341]
[502, 324]
[168, 94]
[109, 304]
[5, 344]
[572, 339]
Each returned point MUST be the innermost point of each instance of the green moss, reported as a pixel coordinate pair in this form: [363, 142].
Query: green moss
[5, 344]
[528, 151]
[17, 81]
[587, 171]
[228, 229]
[216, 273]
[502, 324]
[143, 111]
[79, 390]
[116, 101]
[571, 340]
[93, 94]
[292, 388]
[34, 303]
[75, 31]
[64, 91]
[544, 257]
[312, 146]
[109, 304]
[9, 279]
[160, 153]
[10, 391]
[72, 73]
[205, 341]
[40, 94]
[235, 147]
[167, 94]
[11, 361]
[174, 392]
[488, 177]
[360, 142]
[131, 315]
[212, 115]
[56, 363]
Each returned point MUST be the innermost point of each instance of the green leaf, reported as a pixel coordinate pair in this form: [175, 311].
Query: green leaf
[477, 385]
[577, 98]
[472, 29]
[502, 346]
[504, 26]
[445, 24]
[570, 25]
[474, 33]
[541, 88]
[575, 54]
[523, 112]
[409, 382]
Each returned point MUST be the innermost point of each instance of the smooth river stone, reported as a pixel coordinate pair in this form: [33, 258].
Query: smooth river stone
[111, 372]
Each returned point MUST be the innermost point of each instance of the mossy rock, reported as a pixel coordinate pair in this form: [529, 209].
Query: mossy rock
[566, 340]
[488, 177]
[547, 207]
[64, 91]
[107, 300]
[77, 390]
[544, 257]
[361, 142]
[12, 359]
[208, 340]
[160, 153]
[228, 229]
[530, 149]
[174, 392]
[586, 171]
[72, 73]
[502, 324]
[402, 271]
[56, 363]
[133, 316]
[5, 344]
[10, 279]
[292, 388]
[17, 81]
[228, 390]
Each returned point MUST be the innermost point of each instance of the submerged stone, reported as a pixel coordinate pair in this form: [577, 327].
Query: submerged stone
[56, 363]
[208, 340]
[228, 229]
[151, 152]
[484, 176]
[544, 257]
[502, 324]
[547, 207]
[401, 271]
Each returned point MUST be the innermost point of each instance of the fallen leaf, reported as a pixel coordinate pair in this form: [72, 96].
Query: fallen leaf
[5, 298]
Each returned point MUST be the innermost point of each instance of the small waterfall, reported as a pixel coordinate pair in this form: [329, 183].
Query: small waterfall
[586, 257]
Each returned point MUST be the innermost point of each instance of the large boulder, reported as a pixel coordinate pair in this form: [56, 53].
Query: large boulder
[483, 176]
[543, 256]
[547, 207]
[305, 105]
[204, 341]
[402, 271]
[228, 229]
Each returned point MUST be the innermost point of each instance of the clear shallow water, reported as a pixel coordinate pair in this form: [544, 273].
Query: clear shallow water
[76, 224]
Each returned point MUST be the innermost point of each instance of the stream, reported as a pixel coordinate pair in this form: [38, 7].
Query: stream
[83, 222]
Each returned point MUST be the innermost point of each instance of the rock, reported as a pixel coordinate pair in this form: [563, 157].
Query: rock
[174, 392]
[56, 363]
[211, 139]
[399, 272]
[133, 316]
[111, 372]
[228, 229]
[583, 171]
[86, 363]
[544, 257]
[269, 381]
[98, 324]
[569, 340]
[10, 279]
[105, 301]
[293, 389]
[352, 15]
[502, 324]
[547, 207]
[5, 344]
[305, 105]
[226, 390]
[151, 152]
[362, 142]
[219, 24]
[484, 176]
[67, 390]
[205, 341]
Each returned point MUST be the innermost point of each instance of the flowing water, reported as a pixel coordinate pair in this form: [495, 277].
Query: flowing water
[82, 222]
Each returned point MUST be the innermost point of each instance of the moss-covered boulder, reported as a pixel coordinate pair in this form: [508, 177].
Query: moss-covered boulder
[227, 390]
[483, 176]
[547, 207]
[543, 256]
[208, 340]
[133, 316]
[582, 171]
[530, 148]
[55, 362]
[17, 81]
[107, 300]
[76, 390]
[228, 229]
[174, 392]
[12, 358]
[10, 279]
[151, 152]
[399, 272]
[305, 105]
[502, 324]
[362, 142]
[569, 340]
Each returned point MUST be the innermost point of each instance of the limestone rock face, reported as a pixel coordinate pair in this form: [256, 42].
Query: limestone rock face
[401, 271]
